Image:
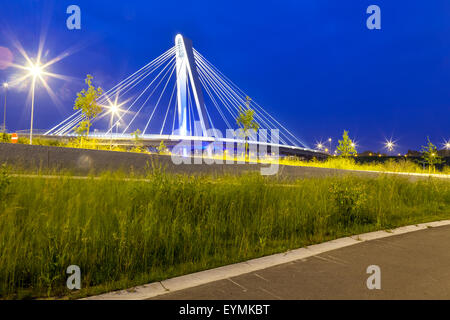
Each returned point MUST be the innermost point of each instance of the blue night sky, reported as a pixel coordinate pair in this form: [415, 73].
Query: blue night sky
[312, 64]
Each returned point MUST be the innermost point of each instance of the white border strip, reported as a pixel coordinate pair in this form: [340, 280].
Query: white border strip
[203, 277]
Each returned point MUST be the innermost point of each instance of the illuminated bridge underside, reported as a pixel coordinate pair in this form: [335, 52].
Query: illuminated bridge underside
[179, 96]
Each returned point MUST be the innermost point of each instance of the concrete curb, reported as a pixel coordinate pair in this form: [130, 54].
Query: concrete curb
[195, 279]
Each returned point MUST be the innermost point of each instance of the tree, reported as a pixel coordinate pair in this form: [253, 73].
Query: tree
[162, 148]
[246, 121]
[431, 156]
[87, 102]
[346, 146]
[136, 137]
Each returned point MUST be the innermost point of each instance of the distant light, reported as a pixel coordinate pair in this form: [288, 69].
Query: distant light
[5, 85]
[390, 145]
[329, 140]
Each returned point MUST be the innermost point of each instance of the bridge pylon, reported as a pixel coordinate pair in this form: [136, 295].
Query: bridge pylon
[186, 74]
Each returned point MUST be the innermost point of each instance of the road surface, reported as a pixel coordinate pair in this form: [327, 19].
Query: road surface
[413, 265]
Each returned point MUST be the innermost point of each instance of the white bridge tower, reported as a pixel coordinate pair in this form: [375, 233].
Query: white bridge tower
[187, 75]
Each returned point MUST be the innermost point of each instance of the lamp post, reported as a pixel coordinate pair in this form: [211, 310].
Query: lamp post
[329, 141]
[113, 109]
[5, 86]
[35, 72]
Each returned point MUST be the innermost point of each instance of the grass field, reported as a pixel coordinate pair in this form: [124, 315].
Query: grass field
[123, 232]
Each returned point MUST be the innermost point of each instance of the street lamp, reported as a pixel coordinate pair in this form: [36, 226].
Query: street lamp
[447, 145]
[35, 70]
[329, 141]
[5, 86]
[319, 145]
[389, 145]
[113, 108]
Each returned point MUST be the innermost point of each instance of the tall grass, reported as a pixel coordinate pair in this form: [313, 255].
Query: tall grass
[391, 165]
[127, 232]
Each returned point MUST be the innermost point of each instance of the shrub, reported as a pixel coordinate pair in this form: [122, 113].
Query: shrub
[350, 201]
[4, 137]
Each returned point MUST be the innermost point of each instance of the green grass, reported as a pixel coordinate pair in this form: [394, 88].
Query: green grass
[122, 233]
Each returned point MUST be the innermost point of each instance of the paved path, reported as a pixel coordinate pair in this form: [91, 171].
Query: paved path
[414, 265]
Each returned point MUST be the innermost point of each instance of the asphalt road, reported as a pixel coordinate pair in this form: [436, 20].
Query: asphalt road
[414, 265]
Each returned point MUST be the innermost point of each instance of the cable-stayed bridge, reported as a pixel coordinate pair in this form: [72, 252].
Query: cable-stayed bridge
[181, 96]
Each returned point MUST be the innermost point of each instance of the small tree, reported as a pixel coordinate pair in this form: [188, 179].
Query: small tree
[87, 102]
[162, 149]
[136, 137]
[246, 121]
[431, 156]
[346, 146]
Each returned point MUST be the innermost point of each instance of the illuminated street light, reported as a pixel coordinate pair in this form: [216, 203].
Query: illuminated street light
[389, 145]
[447, 145]
[35, 71]
[114, 109]
[319, 145]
